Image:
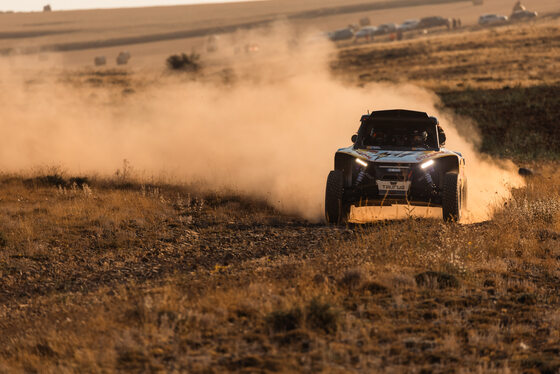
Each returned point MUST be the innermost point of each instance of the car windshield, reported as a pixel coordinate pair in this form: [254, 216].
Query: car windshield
[399, 136]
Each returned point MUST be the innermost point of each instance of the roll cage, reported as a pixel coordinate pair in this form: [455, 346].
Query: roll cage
[398, 127]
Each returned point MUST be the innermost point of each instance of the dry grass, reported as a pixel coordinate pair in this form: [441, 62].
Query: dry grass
[352, 298]
[507, 56]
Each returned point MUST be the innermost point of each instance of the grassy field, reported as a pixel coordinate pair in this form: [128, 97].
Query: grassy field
[150, 34]
[503, 57]
[118, 274]
[505, 79]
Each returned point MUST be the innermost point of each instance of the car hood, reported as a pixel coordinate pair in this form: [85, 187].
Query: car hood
[388, 156]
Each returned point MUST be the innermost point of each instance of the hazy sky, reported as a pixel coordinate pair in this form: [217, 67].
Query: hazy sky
[37, 5]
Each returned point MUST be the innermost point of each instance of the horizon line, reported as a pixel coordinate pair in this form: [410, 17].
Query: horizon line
[123, 6]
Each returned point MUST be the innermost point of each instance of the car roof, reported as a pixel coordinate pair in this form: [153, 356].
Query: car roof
[367, 29]
[399, 116]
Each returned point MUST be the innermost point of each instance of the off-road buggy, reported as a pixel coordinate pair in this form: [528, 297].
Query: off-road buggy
[397, 158]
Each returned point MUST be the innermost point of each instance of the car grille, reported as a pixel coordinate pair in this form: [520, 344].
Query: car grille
[393, 172]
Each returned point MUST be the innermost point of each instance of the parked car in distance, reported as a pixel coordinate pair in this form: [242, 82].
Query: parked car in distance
[386, 28]
[366, 33]
[342, 34]
[522, 15]
[409, 24]
[434, 21]
[491, 19]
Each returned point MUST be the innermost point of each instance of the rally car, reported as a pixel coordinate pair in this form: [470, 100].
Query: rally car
[398, 157]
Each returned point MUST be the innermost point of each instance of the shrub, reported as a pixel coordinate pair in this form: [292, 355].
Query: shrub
[124, 174]
[375, 288]
[321, 316]
[283, 320]
[351, 279]
[437, 279]
[3, 240]
[79, 181]
[183, 62]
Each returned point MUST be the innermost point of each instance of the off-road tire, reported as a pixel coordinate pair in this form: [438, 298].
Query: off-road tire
[452, 197]
[464, 194]
[336, 211]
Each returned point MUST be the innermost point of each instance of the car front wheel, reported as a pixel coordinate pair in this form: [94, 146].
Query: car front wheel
[336, 211]
[452, 198]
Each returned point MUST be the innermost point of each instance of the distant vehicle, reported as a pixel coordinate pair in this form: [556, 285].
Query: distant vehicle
[398, 157]
[366, 33]
[386, 28]
[409, 24]
[491, 19]
[435, 21]
[342, 34]
[522, 15]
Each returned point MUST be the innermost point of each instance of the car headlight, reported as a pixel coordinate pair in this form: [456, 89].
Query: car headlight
[361, 162]
[427, 164]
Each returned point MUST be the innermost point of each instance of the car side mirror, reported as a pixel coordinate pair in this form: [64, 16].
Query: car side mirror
[442, 138]
[354, 138]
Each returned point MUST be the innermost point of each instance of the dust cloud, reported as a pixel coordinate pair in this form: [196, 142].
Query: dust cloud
[270, 132]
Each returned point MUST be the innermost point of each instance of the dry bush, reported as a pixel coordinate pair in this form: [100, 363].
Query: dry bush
[321, 315]
[183, 62]
[285, 320]
[352, 279]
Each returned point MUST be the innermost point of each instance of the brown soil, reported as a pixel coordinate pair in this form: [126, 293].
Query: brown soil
[151, 278]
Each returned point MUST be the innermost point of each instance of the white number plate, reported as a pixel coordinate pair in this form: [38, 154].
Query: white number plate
[393, 186]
